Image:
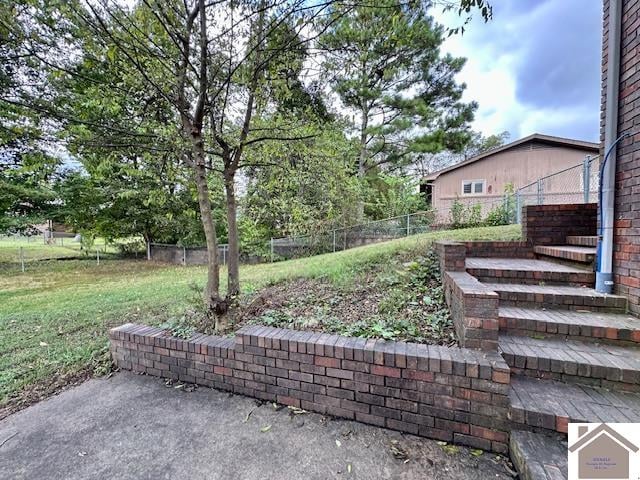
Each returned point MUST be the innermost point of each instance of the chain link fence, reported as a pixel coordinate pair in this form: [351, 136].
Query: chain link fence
[352, 236]
[576, 184]
[22, 251]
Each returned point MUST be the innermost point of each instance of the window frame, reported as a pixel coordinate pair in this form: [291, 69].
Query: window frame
[473, 184]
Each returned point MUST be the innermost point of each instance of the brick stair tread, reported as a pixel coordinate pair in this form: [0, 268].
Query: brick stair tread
[572, 358]
[537, 456]
[588, 325]
[521, 264]
[549, 290]
[550, 405]
[567, 252]
[583, 240]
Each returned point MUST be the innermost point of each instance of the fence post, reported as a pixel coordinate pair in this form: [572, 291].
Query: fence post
[518, 208]
[540, 187]
[22, 258]
[271, 249]
[224, 254]
[148, 250]
[184, 256]
[586, 178]
[408, 227]
[98, 255]
[334, 240]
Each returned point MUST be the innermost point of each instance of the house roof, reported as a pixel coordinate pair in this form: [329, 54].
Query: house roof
[537, 137]
[599, 430]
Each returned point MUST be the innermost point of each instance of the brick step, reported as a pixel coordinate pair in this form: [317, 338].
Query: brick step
[603, 327]
[583, 241]
[537, 456]
[529, 271]
[557, 297]
[606, 366]
[548, 405]
[570, 253]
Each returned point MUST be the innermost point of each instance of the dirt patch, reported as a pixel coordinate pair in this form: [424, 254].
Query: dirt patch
[39, 391]
[396, 301]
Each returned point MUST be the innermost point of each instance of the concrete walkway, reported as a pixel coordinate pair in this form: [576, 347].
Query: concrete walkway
[135, 427]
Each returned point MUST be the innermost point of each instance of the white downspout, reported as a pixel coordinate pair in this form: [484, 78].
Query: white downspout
[604, 273]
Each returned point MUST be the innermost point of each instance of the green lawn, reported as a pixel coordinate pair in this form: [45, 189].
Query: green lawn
[35, 249]
[54, 317]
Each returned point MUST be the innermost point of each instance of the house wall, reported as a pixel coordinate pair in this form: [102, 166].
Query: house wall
[519, 167]
[626, 255]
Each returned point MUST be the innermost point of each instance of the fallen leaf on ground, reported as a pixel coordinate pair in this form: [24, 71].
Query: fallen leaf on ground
[44, 344]
[476, 452]
[450, 449]
[266, 428]
[296, 410]
[246, 419]
[397, 451]
[338, 443]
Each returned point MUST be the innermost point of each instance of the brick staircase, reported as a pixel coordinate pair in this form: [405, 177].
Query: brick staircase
[573, 352]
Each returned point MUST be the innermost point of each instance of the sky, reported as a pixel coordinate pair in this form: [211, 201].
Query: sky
[533, 68]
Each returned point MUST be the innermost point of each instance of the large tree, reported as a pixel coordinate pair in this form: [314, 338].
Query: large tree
[386, 66]
[213, 68]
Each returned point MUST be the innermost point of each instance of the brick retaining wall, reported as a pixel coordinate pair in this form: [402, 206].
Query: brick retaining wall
[551, 224]
[451, 394]
[474, 309]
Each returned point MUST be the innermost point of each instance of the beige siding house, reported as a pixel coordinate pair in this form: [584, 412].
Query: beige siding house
[483, 179]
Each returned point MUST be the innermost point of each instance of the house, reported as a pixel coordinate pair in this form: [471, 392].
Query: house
[483, 179]
[602, 453]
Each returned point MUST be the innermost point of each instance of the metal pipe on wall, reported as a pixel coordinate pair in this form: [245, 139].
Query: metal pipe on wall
[604, 272]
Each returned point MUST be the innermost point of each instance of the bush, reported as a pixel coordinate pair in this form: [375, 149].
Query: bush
[465, 216]
[132, 247]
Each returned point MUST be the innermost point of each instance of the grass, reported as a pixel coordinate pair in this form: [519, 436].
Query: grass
[55, 316]
[34, 249]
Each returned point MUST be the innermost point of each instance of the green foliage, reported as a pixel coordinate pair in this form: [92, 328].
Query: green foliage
[386, 66]
[179, 327]
[465, 215]
[301, 188]
[391, 196]
[504, 213]
[411, 305]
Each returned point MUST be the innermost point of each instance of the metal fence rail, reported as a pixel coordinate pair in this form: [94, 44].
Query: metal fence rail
[576, 184]
[351, 236]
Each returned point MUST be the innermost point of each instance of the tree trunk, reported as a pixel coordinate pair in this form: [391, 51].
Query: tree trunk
[362, 159]
[233, 257]
[215, 305]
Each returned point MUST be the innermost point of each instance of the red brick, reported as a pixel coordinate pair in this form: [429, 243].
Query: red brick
[285, 400]
[327, 362]
[489, 434]
[385, 371]
[500, 377]
[418, 375]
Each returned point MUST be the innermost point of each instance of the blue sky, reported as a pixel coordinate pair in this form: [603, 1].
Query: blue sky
[534, 68]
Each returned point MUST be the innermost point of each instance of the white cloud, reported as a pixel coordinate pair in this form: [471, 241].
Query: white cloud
[534, 68]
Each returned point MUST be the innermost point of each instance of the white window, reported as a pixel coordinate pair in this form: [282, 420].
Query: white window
[473, 187]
